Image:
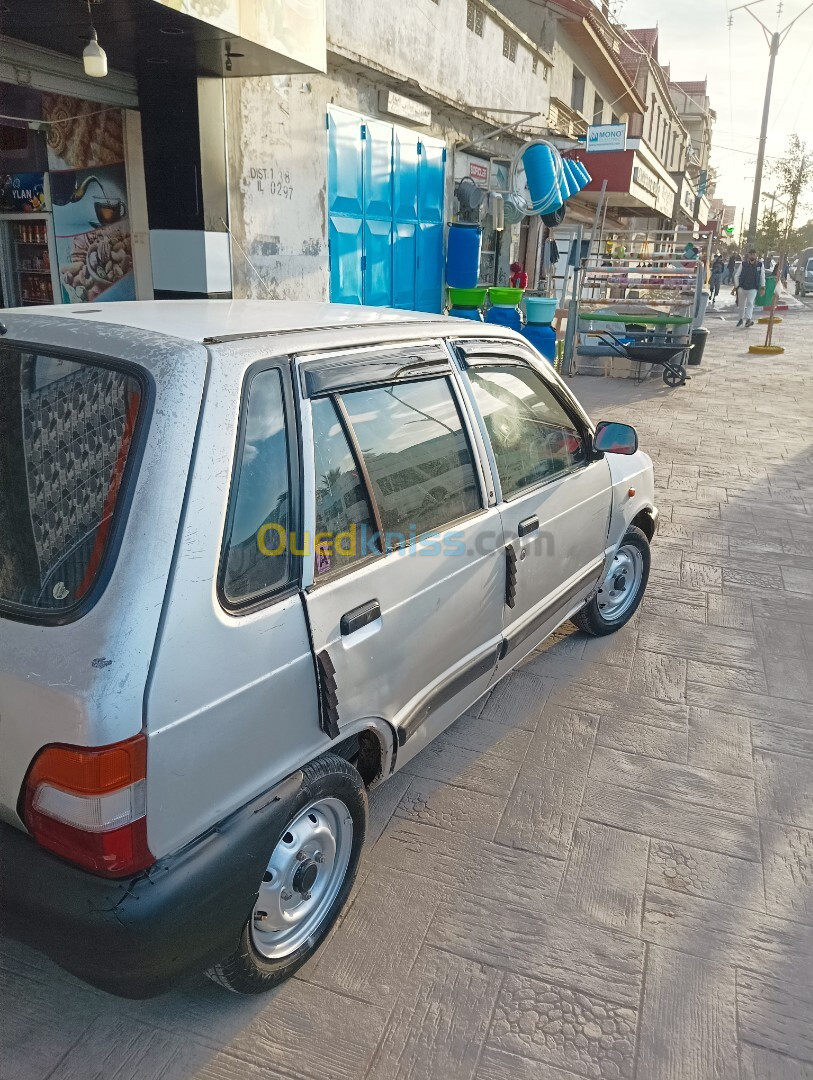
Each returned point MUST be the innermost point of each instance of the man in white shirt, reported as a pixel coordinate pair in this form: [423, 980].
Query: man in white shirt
[749, 279]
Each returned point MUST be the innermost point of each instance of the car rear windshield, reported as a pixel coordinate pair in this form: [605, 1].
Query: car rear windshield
[66, 432]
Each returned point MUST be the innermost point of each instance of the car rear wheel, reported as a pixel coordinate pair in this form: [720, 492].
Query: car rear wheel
[310, 871]
[622, 588]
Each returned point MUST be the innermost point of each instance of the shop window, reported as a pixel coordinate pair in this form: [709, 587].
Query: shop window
[417, 456]
[509, 47]
[475, 18]
[577, 91]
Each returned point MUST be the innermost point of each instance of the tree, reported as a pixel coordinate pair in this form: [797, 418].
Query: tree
[793, 177]
[802, 237]
[771, 232]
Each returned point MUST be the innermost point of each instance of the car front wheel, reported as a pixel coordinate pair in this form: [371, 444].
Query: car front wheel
[310, 871]
[622, 588]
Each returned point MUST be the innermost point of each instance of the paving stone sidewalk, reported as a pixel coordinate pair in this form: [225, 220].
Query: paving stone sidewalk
[606, 871]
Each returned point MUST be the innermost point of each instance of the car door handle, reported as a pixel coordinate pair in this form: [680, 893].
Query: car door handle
[529, 525]
[360, 616]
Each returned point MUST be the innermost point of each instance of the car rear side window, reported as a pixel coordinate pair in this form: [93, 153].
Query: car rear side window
[67, 429]
[417, 455]
[344, 520]
[257, 558]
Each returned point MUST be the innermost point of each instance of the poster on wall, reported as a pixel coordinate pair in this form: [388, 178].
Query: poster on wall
[92, 231]
[22, 193]
[89, 197]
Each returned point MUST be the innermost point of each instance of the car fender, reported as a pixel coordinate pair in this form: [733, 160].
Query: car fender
[633, 487]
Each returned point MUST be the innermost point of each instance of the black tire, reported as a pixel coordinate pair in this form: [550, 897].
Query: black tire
[246, 970]
[674, 377]
[590, 618]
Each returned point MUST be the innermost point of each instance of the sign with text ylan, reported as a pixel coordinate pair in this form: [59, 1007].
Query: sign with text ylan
[607, 137]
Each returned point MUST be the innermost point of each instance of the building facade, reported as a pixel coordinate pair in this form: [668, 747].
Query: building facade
[297, 150]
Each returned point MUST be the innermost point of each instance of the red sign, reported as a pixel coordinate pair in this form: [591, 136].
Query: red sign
[478, 173]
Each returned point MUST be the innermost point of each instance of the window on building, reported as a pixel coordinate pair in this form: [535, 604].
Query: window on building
[509, 47]
[651, 118]
[475, 18]
[577, 91]
[342, 509]
[598, 109]
[417, 455]
[615, 119]
[262, 504]
[534, 64]
[533, 438]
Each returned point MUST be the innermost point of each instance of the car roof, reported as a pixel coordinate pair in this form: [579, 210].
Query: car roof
[216, 320]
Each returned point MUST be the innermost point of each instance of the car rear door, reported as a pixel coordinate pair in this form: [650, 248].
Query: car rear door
[407, 574]
[554, 495]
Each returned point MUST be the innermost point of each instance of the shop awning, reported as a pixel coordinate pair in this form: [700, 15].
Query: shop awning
[219, 38]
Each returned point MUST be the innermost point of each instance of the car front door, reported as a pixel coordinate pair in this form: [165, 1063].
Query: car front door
[407, 571]
[555, 496]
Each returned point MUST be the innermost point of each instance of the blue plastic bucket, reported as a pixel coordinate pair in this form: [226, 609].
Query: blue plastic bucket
[574, 184]
[472, 313]
[582, 173]
[541, 166]
[503, 315]
[564, 190]
[543, 339]
[463, 256]
[540, 309]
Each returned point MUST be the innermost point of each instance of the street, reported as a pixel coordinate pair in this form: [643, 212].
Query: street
[607, 871]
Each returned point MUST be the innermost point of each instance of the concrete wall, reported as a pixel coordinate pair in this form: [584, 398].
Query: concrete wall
[429, 46]
[278, 168]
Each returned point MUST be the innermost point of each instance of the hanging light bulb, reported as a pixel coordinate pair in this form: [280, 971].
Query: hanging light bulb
[94, 57]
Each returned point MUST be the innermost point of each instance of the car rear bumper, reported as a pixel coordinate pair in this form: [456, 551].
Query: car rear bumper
[137, 937]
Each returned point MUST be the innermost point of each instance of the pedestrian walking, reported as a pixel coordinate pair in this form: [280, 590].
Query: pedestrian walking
[749, 280]
[716, 280]
[730, 269]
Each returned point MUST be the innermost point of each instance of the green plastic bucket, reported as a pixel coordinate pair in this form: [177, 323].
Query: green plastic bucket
[505, 297]
[467, 297]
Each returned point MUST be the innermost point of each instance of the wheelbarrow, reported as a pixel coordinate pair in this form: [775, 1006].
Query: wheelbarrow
[647, 352]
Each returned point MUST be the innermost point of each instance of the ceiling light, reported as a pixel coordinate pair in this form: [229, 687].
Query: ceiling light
[171, 31]
[157, 60]
[94, 57]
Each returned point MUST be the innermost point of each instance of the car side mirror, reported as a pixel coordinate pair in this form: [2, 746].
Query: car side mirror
[613, 438]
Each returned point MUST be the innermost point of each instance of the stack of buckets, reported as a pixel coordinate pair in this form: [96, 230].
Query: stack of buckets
[551, 180]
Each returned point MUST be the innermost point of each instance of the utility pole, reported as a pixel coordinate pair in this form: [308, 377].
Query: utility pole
[775, 40]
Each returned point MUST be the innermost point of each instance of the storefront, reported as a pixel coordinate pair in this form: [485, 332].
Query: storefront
[68, 184]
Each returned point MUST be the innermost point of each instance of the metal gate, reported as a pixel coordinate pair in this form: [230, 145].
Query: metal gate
[385, 214]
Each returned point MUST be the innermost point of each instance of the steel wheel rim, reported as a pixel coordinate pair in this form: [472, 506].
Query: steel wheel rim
[303, 878]
[619, 588]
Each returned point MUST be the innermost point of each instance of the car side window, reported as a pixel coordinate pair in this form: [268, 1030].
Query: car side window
[532, 436]
[344, 520]
[258, 550]
[417, 455]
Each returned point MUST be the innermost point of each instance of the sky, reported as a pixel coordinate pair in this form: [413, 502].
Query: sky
[695, 39]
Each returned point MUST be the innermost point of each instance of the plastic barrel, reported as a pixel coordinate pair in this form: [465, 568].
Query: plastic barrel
[463, 256]
[541, 166]
[564, 189]
[504, 316]
[543, 339]
[472, 313]
[574, 184]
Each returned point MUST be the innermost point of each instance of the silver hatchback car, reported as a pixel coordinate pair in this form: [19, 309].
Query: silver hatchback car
[254, 557]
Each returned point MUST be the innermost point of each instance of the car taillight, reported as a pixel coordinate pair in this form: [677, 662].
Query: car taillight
[89, 805]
